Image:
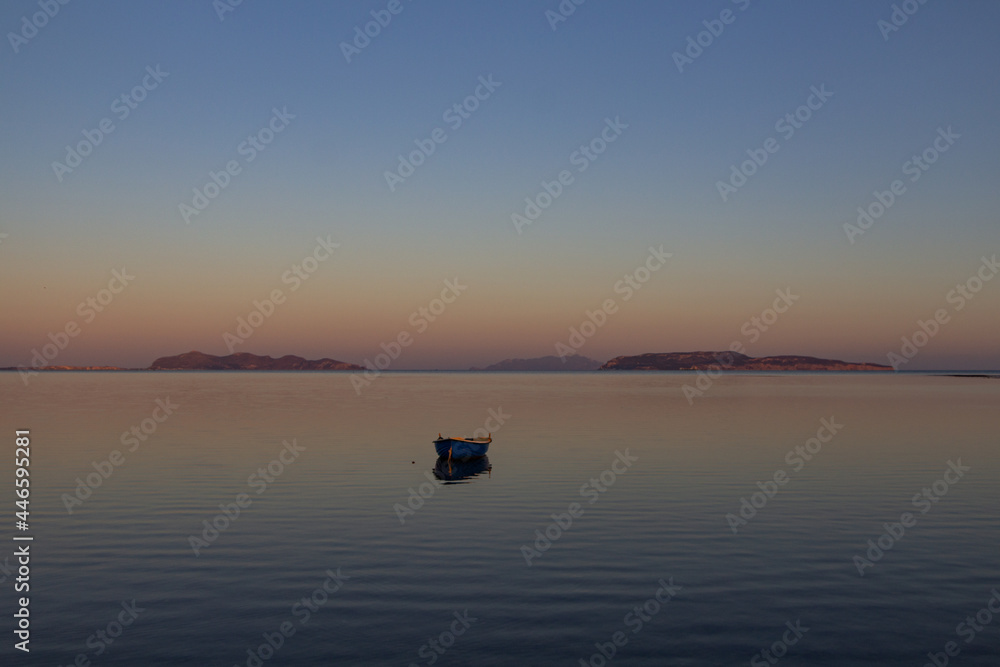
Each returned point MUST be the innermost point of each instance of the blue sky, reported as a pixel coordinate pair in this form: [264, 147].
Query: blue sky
[656, 184]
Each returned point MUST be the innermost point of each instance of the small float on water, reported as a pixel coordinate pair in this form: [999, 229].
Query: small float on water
[462, 449]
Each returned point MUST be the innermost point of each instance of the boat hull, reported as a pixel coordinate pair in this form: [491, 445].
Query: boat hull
[460, 450]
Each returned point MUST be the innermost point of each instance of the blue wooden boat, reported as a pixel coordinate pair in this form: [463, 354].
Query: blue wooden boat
[462, 449]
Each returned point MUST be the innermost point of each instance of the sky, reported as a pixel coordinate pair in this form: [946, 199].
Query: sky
[710, 155]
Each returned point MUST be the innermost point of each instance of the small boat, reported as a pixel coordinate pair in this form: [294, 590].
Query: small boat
[462, 449]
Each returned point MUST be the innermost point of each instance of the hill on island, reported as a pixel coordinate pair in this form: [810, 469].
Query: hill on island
[572, 362]
[732, 361]
[244, 361]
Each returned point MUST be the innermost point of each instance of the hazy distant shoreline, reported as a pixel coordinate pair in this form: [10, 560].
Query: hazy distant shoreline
[663, 362]
[980, 374]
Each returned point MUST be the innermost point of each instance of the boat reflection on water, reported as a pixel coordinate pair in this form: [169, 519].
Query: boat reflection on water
[456, 472]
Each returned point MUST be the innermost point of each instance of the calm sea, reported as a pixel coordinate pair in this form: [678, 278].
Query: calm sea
[598, 533]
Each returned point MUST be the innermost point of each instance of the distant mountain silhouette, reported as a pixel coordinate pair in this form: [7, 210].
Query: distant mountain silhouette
[699, 361]
[244, 361]
[573, 362]
[661, 361]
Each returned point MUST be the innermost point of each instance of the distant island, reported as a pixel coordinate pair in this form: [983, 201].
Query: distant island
[572, 362]
[244, 361]
[732, 361]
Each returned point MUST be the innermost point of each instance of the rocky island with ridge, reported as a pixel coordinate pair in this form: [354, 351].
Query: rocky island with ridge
[732, 361]
[244, 361]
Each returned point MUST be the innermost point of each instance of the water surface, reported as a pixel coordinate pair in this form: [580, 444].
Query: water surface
[342, 505]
